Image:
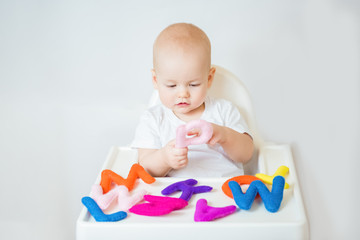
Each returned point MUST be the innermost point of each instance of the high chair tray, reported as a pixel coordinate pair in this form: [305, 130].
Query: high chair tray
[257, 223]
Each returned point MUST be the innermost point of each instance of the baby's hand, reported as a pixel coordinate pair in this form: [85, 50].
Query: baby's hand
[218, 135]
[176, 157]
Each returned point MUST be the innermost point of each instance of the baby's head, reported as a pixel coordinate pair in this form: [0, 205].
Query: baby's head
[182, 69]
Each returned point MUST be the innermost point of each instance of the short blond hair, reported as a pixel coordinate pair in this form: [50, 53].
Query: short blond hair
[182, 35]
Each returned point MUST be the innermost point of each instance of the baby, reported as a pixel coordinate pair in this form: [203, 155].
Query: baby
[182, 74]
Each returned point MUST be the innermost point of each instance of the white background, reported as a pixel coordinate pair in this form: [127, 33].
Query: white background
[75, 76]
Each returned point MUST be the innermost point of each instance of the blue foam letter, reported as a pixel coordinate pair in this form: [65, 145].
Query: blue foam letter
[272, 200]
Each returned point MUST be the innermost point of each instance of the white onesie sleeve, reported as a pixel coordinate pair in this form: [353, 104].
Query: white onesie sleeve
[147, 132]
[234, 120]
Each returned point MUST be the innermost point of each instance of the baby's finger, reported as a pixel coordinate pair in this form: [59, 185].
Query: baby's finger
[211, 141]
[182, 163]
[180, 151]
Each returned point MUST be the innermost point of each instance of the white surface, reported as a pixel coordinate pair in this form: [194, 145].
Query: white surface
[75, 76]
[257, 223]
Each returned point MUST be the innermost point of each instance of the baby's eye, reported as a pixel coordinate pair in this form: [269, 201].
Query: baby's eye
[195, 85]
[171, 86]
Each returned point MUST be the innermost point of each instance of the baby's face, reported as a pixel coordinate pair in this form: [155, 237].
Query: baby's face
[182, 79]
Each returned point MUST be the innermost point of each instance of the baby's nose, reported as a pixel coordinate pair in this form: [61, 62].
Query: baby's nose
[183, 92]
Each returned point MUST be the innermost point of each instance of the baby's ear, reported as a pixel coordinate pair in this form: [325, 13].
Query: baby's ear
[154, 79]
[211, 76]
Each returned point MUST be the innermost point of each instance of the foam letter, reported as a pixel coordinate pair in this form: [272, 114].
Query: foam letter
[187, 188]
[272, 200]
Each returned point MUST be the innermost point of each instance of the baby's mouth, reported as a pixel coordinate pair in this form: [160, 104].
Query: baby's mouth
[182, 104]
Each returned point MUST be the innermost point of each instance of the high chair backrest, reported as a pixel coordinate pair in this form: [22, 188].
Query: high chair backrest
[227, 86]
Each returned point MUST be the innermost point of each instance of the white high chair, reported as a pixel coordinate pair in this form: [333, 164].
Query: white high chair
[257, 223]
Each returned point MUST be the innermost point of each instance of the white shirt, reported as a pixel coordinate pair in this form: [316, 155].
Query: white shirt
[158, 126]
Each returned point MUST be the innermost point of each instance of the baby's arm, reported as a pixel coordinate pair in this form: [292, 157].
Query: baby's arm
[238, 146]
[158, 162]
